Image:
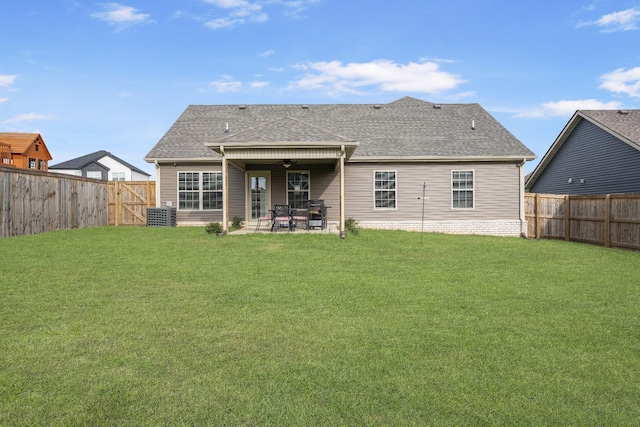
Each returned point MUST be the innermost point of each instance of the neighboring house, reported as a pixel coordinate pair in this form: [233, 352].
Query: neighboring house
[101, 165]
[5, 154]
[26, 151]
[368, 162]
[597, 152]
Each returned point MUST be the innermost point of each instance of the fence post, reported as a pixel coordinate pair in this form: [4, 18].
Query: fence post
[567, 217]
[538, 225]
[607, 220]
[118, 206]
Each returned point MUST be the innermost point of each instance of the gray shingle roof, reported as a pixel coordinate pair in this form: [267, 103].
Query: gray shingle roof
[623, 123]
[406, 128]
[82, 161]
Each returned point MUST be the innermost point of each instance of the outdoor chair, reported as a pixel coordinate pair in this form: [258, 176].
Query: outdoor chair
[282, 217]
[263, 218]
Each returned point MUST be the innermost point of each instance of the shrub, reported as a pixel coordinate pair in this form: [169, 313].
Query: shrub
[237, 222]
[351, 225]
[213, 228]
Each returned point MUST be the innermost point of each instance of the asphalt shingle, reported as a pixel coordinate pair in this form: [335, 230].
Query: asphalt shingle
[406, 128]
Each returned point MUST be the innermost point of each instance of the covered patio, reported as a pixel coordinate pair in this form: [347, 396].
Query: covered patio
[298, 159]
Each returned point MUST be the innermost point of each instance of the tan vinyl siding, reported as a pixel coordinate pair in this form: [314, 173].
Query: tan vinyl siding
[496, 191]
[169, 191]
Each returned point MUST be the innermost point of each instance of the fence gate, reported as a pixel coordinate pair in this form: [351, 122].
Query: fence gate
[129, 200]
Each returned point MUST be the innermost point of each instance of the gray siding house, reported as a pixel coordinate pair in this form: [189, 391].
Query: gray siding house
[369, 162]
[101, 165]
[597, 152]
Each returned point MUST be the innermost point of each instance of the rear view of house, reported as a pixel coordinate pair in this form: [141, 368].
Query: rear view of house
[371, 162]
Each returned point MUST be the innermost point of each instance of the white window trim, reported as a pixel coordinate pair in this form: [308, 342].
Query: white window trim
[200, 191]
[287, 183]
[375, 208]
[473, 190]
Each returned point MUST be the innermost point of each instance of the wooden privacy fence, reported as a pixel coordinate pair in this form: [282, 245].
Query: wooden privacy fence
[129, 200]
[35, 202]
[611, 220]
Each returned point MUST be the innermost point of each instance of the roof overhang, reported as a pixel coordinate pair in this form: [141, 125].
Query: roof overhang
[441, 159]
[242, 153]
[181, 159]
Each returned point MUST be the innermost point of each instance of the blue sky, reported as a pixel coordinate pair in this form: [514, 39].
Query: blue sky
[115, 75]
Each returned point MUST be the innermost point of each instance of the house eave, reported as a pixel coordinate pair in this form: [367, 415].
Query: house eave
[261, 150]
[440, 159]
[182, 159]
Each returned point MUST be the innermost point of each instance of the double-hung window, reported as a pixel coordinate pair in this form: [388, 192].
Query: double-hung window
[385, 190]
[298, 189]
[462, 189]
[189, 190]
[211, 190]
[199, 190]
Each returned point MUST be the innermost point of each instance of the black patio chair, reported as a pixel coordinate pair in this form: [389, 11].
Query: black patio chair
[282, 217]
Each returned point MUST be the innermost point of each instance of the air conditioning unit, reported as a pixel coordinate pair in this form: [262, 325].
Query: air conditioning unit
[161, 217]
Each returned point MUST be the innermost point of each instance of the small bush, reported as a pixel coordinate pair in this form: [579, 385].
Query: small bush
[213, 228]
[351, 225]
[237, 222]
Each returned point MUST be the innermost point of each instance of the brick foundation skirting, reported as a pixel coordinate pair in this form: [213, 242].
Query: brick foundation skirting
[513, 228]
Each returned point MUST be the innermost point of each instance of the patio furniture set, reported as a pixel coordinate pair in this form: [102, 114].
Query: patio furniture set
[283, 217]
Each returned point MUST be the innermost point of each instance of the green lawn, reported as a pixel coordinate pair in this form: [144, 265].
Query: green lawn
[173, 326]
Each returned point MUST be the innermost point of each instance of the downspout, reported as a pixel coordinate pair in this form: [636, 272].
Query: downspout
[158, 200]
[523, 223]
[225, 191]
[342, 155]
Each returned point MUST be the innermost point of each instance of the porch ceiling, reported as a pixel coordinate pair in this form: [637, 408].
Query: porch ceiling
[241, 154]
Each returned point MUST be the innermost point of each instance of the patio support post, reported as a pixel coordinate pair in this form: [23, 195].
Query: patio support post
[225, 191]
[342, 231]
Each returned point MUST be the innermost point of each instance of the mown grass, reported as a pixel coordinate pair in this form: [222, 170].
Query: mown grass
[172, 326]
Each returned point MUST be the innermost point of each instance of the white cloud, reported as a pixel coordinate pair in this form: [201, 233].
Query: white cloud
[567, 108]
[622, 81]
[226, 85]
[258, 85]
[29, 117]
[121, 16]
[3, 100]
[7, 80]
[220, 23]
[439, 60]
[382, 74]
[625, 20]
[267, 53]
[239, 12]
